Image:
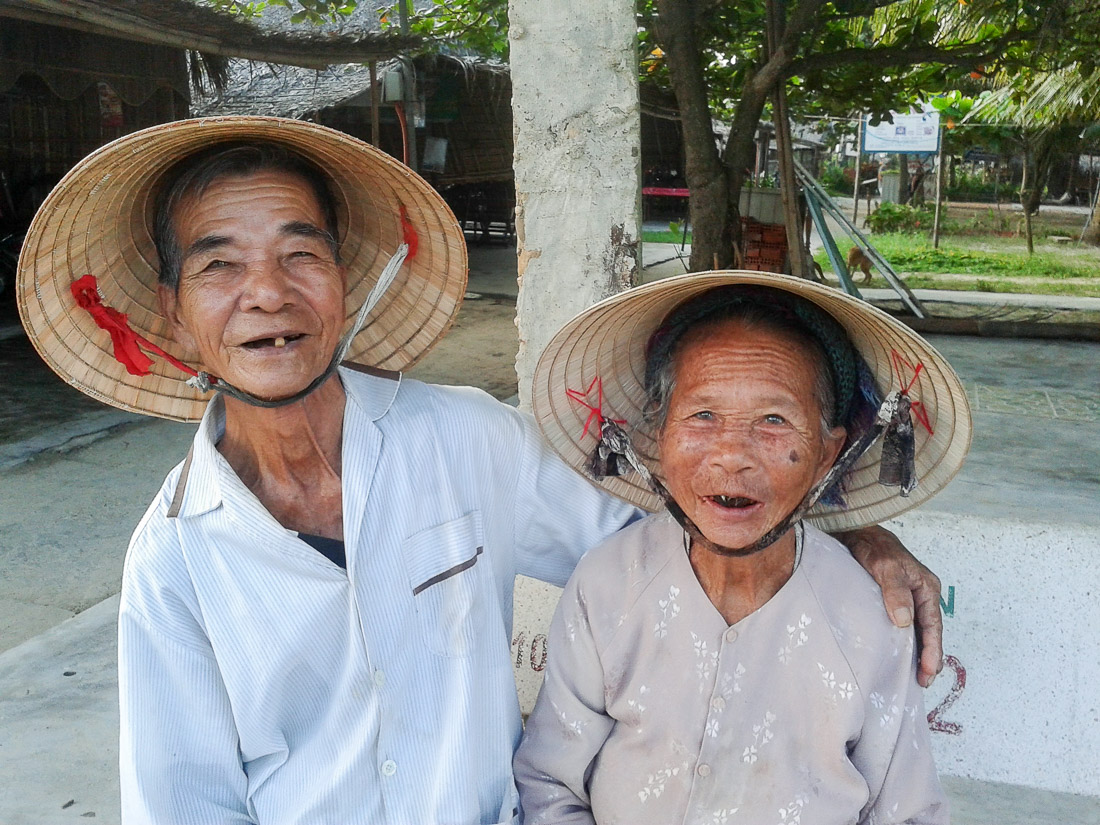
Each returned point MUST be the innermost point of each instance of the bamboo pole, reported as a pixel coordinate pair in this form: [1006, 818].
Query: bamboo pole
[859, 164]
[939, 192]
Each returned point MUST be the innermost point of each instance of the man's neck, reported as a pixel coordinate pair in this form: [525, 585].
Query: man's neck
[740, 585]
[290, 457]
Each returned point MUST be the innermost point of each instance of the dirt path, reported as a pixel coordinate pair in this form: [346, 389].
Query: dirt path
[479, 351]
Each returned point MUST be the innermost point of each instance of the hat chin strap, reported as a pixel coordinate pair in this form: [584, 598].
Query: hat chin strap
[616, 450]
[204, 382]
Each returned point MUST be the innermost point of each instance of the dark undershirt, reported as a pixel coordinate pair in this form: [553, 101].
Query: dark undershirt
[331, 549]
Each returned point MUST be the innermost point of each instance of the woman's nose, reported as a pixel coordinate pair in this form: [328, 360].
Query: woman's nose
[732, 448]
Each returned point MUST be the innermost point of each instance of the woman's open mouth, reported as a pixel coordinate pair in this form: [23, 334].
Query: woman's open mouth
[733, 502]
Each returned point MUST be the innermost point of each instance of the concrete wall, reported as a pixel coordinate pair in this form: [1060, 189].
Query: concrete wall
[577, 127]
[1019, 701]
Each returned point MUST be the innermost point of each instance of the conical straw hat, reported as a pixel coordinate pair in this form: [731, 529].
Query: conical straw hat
[602, 352]
[98, 220]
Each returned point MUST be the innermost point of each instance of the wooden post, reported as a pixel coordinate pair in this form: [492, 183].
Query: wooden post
[375, 102]
[788, 186]
[859, 164]
[939, 192]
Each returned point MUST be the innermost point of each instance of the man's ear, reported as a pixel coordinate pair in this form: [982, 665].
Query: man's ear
[168, 298]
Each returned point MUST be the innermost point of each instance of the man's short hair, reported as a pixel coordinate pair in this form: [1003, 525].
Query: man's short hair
[193, 175]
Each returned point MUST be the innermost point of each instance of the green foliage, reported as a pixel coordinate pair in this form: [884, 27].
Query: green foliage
[303, 11]
[834, 181]
[974, 186]
[479, 25]
[893, 217]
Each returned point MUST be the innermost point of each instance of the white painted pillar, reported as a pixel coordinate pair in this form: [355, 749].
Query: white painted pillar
[577, 133]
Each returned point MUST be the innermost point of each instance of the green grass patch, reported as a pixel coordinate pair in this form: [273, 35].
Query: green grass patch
[914, 253]
[664, 236]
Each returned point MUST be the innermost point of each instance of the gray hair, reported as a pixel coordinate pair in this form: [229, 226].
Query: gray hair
[661, 376]
[192, 176]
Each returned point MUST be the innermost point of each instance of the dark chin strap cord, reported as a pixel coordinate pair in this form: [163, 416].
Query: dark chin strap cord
[615, 455]
[204, 382]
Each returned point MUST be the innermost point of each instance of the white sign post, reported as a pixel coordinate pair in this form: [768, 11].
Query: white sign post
[919, 132]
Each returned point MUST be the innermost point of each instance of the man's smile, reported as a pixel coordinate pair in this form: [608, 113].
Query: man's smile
[273, 341]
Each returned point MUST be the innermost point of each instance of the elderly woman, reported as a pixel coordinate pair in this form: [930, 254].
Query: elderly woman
[726, 661]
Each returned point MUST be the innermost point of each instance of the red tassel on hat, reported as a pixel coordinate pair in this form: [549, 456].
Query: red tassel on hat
[128, 345]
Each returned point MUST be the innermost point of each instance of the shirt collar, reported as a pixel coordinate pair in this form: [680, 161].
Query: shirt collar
[370, 392]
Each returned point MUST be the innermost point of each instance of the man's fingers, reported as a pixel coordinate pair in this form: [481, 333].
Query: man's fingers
[910, 592]
[930, 622]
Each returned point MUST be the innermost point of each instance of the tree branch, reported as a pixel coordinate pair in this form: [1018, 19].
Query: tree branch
[907, 55]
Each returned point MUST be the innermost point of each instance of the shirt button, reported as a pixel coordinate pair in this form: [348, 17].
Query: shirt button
[718, 703]
[379, 678]
[703, 770]
[731, 635]
[389, 767]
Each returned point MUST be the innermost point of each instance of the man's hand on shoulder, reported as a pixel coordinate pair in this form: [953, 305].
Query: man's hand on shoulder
[905, 583]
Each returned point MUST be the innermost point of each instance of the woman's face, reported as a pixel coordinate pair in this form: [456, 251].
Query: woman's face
[743, 441]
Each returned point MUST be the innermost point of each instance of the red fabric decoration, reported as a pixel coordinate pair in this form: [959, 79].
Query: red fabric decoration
[595, 411]
[920, 412]
[409, 234]
[128, 345]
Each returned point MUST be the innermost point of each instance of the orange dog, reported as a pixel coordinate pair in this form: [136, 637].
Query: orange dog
[856, 258]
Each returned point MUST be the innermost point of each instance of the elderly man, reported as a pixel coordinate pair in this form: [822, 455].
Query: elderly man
[316, 609]
[723, 662]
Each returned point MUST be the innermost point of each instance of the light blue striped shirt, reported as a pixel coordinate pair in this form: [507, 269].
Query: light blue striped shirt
[259, 682]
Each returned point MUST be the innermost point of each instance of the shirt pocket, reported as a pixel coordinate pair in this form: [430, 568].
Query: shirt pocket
[448, 578]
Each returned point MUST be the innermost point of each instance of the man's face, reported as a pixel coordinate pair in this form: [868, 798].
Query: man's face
[261, 297]
[743, 441]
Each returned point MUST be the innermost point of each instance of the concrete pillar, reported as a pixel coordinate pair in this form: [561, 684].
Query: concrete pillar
[577, 162]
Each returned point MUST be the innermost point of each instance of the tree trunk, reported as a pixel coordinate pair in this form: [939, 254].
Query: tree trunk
[706, 176]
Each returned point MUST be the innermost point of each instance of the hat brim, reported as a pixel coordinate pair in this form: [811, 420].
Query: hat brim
[606, 344]
[98, 221]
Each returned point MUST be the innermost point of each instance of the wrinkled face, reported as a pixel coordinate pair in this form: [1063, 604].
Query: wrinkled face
[743, 441]
[260, 298]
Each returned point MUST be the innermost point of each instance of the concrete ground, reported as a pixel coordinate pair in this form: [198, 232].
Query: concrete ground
[71, 495]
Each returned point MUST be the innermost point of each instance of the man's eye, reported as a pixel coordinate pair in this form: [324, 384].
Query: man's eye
[704, 415]
[775, 418]
[216, 264]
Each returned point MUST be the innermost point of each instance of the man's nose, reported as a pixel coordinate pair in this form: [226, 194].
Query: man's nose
[267, 285]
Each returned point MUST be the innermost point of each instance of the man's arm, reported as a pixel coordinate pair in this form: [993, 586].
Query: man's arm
[179, 756]
[905, 583]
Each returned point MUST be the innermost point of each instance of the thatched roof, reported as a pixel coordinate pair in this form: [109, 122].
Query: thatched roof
[291, 91]
[283, 91]
[186, 25]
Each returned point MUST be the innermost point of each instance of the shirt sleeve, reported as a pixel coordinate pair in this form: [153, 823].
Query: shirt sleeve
[179, 755]
[559, 514]
[894, 752]
[569, 724]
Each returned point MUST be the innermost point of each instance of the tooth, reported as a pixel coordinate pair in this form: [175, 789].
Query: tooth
[280, 342]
